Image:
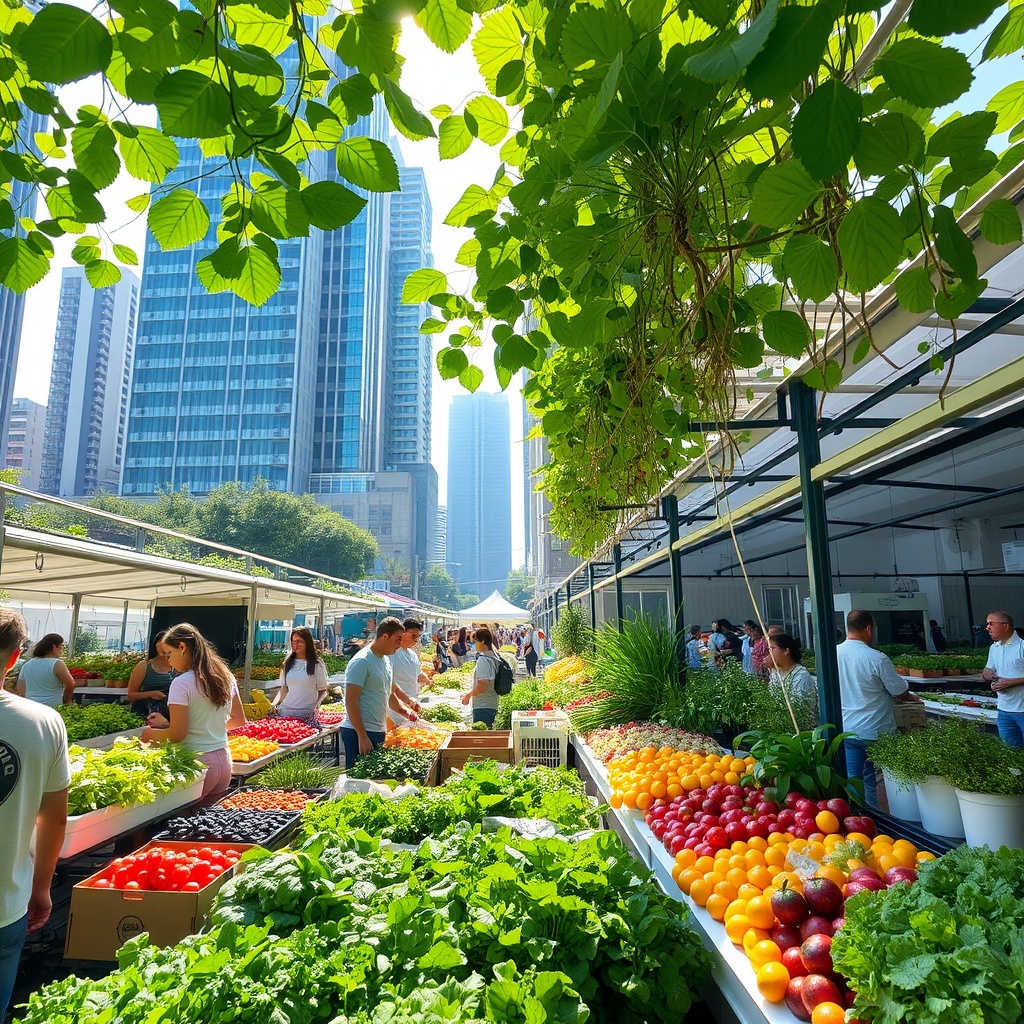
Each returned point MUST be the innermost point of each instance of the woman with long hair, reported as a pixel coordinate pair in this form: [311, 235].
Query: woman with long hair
[150, 681]
[45, 678]
[203, 702]
[482, 698]
[303, 680]
[460, 648]
[785, 669]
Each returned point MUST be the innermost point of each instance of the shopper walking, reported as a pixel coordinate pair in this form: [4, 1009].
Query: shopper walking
[531, 643]
[460, 648]
[45, 678]
[694, 656]
[868, 685]
[150, 681]
[1005, 674]
[34, 777]
[481, 697]
[303, 682]
[204, 705]
[758, 648]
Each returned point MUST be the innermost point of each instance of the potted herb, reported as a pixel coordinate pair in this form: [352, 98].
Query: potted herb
[897, 756]
[988, 779]
[938, 747]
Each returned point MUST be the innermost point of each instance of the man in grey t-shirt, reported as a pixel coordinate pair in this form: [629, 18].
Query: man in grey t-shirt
[370, 691]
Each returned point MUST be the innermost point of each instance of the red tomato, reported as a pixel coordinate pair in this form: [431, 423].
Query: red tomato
[191, 887]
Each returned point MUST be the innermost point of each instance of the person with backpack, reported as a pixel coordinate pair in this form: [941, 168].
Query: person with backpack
[492, 678]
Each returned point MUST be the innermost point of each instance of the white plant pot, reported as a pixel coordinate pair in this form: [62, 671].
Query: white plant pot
[902, 798]
[940, 809]
[992, 821]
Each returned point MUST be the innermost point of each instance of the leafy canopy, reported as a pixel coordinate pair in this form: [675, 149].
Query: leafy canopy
[673, 178]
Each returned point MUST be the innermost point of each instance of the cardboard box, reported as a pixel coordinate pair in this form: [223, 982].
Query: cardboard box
[462, 747]
[103, 920]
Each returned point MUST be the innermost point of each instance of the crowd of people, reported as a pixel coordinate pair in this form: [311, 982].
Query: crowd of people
[454, 646]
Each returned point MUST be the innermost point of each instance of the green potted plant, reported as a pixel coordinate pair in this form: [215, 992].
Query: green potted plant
[900, 761]
[938, 747]
[988, 779]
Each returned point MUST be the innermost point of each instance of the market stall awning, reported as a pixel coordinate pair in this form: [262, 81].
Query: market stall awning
[494, 609]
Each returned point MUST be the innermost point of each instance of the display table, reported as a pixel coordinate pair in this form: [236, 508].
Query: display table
[107, 741]
[242, 769]
[84, 694]
[969, 714]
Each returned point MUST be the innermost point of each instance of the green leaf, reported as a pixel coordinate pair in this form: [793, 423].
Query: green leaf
[329, 205]
[498, 40]
[178, 219]
[148, 154]
[786, 332]
[811, 265]
[93, 149]
[1007, 37]
[446, 24]
[442, 956]
[368, 164]
[454, 137]
[953, 245]
[138, 203]
[75, 201]
[250, 271]
[279, 212]
[887, 142]
[471, 378]
[412, 123]
[1000, 222]
[192, 105]
[509, 78]
[958, 299]
[782, 194]
[102, 273]
[947, 17]
[720, 63]
[746, 349]
[792, 53]
[926, 74]
[870, 243]
[491, 119]
[826, 129]
[475, 199]
[827, 381]
[451, 362]
[21, 264]
[63, 44]
[126, 254]
[593, 37]
[964, 137]
[423, 285]
[1008, 105]
[914, 290]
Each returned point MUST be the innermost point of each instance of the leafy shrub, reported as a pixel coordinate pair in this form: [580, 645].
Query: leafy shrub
[571, 634]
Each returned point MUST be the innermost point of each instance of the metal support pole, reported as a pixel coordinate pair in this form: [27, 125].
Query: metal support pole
[617, 560]
[568, 595]
[320, 621]
[250, 639]
[554, 617]
[124, 625]
[593, 596]
[970, 607]
[76, 608]
[3, 529]
[670, 510]
[819, 559]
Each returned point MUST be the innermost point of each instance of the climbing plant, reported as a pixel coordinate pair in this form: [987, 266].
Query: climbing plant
[681, 187]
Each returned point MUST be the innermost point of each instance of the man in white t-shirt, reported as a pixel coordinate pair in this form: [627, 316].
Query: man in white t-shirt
[868, 685]
[34, 777]
[1005, 673]
[406, 672]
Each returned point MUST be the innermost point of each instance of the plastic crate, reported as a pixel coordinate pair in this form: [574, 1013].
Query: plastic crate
[541, 737]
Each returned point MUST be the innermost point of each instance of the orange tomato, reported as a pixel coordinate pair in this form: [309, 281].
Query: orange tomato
[772, 981]
[752, 936]
[736, 926]
[715, 906]
[760, 912]
[828, 1013]
[765, 952]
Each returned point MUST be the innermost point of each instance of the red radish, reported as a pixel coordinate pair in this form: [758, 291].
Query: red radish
[819, 989]
[794, 998]
[815, 926]
[789, 906]
[898, 874]
[794, 962]
[823, 897]
[785, 936]
[816, 953]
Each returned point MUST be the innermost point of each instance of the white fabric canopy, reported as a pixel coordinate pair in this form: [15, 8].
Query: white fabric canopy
[494, 609]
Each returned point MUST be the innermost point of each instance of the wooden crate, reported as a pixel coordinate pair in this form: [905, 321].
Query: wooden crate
[462, 747]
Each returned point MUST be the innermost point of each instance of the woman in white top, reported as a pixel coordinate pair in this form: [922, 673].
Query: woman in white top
[204, 705]
[303, 678]
[45, 678]
[785, 669]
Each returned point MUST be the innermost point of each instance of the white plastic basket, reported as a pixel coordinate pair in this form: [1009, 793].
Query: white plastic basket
[541, 737]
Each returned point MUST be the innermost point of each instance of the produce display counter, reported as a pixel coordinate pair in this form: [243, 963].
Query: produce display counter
[969, 714]
[84, 694]
[107, 741]
[85, 832]
[243, 769]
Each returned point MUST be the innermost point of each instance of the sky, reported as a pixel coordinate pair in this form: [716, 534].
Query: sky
[446, 181]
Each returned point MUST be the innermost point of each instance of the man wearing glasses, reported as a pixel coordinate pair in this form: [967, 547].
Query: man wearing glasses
[1005, 673]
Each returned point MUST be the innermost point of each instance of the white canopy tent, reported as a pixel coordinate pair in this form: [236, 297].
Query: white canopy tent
[494, 609]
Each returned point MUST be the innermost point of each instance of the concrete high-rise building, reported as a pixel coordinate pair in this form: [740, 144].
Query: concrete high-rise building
[440, 552]
[87, 411]
[25, 433]
[410, 356]
[479, 493]
[223, 391]
[22, 198]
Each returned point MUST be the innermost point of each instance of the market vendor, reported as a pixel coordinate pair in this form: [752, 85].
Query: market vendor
[1004, 672]
[150, 681]
[303, 680]
[370, 691]
[407, 673]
